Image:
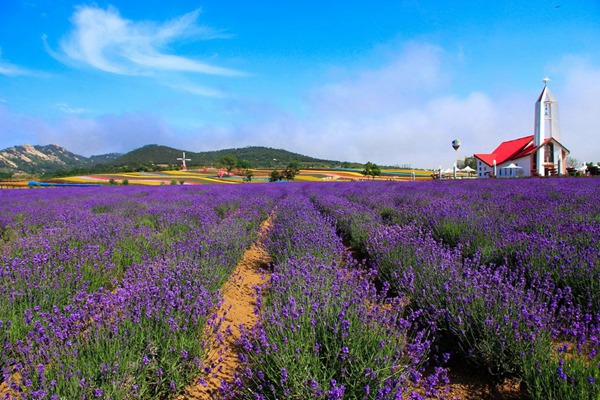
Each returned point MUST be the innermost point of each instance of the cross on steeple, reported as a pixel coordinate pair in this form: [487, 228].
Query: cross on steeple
[546, 80]
[183, 160]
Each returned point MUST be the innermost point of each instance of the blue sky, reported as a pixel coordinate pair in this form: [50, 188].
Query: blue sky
[392, 82]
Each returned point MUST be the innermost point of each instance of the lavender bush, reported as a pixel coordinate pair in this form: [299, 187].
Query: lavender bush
[109, 292]
[509, 269]
[324, 331]
[115, 302]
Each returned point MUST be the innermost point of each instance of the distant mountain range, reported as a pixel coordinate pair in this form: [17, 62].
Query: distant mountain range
[52, 159]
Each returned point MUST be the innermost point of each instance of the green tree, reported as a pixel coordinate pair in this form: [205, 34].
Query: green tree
[242, 165]
[228, 162]
[249, 175]
[371, 169]
[593, 169]
[125, 182]
[471, 162]
[275, 176]
[290, 172]
[572, 162]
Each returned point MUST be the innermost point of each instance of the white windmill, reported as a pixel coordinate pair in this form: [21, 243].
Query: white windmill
[183, 160]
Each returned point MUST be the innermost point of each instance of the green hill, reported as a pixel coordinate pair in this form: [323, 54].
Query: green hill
[256, 156]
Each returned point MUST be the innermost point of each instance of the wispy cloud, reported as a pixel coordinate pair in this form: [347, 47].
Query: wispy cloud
[198, 90]
[9, 69]
[70, 110]
[104, 40]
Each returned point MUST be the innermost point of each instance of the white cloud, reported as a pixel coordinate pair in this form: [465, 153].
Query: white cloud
[17, 129]
[420, 136]
[104, 40]
[579, 106]
[198, 90]
[70, 110]
[109, 133]
[9, 69]
[397, 113]
[401, 82]
[87, 136]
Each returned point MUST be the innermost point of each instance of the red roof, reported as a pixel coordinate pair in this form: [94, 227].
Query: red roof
[508, 150]
[527, 150]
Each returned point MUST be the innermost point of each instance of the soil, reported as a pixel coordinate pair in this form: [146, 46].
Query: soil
[468, 383]
[6, 392]
[239, 296]
[3, 390]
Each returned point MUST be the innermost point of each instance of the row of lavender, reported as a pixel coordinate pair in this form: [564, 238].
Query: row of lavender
[508, 272]
[324, 331]
[107, 293]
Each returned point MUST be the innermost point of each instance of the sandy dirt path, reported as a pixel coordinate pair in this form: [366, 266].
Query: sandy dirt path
[239, 301]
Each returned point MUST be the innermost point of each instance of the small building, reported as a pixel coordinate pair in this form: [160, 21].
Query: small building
[540, 154]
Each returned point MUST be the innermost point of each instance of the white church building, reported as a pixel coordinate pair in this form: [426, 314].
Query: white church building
[540, 154]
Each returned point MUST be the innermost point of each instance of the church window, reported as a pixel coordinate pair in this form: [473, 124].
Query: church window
[549, 153]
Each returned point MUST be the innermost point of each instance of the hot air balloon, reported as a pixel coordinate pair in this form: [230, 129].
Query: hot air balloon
[456, 144]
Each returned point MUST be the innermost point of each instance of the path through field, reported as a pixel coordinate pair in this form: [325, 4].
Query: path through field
[468, 383]
[239, 301]
[237, 309]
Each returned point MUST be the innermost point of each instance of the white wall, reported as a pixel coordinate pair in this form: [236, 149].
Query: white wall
[482, 169]
[558, 156]
[523, 162]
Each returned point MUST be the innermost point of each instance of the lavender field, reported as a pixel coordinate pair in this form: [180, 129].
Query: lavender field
[377, 289]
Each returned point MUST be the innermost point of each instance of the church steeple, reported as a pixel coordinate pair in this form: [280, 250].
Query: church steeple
[546, 116]
[546, 127]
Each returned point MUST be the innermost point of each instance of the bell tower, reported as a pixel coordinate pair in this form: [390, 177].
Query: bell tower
[545, 126]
